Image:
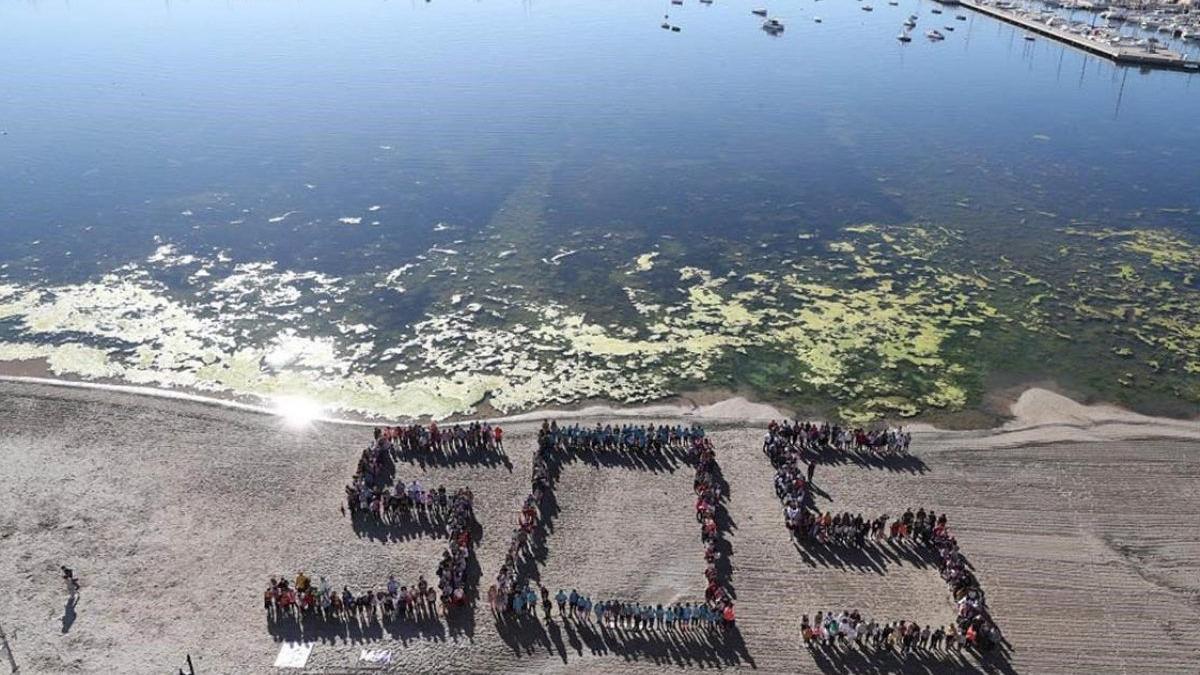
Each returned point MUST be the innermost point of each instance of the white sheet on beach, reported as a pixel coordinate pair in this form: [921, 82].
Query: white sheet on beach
[293, 655]
[377, 656]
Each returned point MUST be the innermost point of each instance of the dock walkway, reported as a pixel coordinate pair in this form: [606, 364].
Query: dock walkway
[1134, 56]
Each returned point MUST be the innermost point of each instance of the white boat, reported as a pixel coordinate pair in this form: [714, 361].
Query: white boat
[759, 12]
[817, 19]
[910, 24]
[934, 35]
[867, 8]
[948, 27]
[936, 11]
[961, 17]
[1029, 37]
[773, 26]
[904, 37]
[912, 17]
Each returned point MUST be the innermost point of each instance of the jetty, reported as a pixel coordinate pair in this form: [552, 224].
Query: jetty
[1131, 55]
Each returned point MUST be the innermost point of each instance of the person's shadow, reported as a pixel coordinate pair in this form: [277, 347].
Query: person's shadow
[69, 613]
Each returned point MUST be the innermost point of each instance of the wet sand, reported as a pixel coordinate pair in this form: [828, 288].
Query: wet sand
[1079, 522]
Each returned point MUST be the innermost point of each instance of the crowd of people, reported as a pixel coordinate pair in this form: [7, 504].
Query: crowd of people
[512, 595]
[371, 496]
[821, 436]
[420, 601]
[375, 492]
[458, 438]
[923, 529]
[847, 529]
[614, 614]
[850, 629]
[303, 599]
[618, 437]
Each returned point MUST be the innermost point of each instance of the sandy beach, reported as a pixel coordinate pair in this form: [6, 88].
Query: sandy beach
[1078, 521]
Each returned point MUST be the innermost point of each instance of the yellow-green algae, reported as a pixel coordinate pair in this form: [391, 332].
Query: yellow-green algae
[883, 325]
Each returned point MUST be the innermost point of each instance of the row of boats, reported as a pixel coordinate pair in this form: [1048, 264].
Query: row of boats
[934, 35]
[1110, 33]
[1165, 20]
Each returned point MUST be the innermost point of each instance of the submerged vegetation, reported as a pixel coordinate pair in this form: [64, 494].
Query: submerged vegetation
[872, 320]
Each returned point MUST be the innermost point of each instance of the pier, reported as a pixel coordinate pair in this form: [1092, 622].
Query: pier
[1124, 55]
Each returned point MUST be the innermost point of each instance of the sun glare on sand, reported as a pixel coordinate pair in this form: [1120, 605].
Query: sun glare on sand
[298, 412]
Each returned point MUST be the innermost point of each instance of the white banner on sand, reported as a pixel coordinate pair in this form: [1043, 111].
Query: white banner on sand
[293, 655]
[381, 657]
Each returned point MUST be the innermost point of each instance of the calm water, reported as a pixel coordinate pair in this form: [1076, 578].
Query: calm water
[342, 141]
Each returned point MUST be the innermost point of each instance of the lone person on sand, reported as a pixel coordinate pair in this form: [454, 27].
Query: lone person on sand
[72, 582]
[812, 466]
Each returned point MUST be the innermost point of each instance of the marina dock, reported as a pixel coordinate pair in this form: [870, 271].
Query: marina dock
[1122, 54]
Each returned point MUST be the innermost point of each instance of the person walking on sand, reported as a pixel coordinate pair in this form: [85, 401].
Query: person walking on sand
[545, 601]
[72, 582]
[812, 467]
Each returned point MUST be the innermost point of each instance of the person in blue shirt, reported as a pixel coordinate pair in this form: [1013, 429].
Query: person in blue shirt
[561, 599]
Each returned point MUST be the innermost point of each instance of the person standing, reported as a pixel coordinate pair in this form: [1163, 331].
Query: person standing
[812, 468]
[72, 582]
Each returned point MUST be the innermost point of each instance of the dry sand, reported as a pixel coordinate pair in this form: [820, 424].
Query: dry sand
[1081, 523]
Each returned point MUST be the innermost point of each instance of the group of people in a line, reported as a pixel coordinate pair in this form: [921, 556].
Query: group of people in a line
[850, 629]
[302, 599]
[618, 437]
[510, 591]
[846, 529]
[708, 486]
[452, 569]
[614, 614]
[457, 438]
[821, 436]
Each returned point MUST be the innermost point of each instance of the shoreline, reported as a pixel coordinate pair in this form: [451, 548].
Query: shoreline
[1031, 409]
[138, 493]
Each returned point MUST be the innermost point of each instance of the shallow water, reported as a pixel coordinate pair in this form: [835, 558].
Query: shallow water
[409, 208]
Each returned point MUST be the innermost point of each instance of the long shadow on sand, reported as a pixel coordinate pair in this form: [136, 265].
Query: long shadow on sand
[473, 457]
[419, 526]
[870, 557]
[695, 648]
[921, 662]
[869, 460]
[365, 630]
